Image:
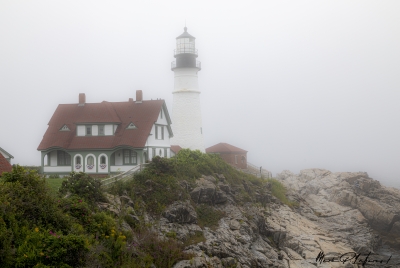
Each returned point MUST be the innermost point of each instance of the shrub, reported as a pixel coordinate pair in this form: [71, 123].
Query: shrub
[208, 216]
[84, 186]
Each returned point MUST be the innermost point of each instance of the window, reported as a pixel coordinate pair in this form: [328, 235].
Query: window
[90, 161]
[160, 152]
[161, 114]
[88, 130]
[243, 159]
[63, 158]
[78, 160]
[64, 128]
[159, 132]
[235, 159]
[130, 157]
[102, 160]
[101, 130]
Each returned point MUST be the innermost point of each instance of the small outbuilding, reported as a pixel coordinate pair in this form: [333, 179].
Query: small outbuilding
[5, 161]
[232, 155]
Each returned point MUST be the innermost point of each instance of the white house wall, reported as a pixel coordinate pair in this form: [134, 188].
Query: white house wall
[152, 141]
[163, 120]
[119, 158]
[53, 158]
[57, 169]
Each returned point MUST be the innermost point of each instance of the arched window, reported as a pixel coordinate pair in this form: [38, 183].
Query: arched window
[102, 160]
[78, 160]
[90, 161]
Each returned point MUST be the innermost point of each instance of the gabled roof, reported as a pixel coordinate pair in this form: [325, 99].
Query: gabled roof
[224, 148]
[176, 148]
[143, 115]
[5, 166]
[6, 153]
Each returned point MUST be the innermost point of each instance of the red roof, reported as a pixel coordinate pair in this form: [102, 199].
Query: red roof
[143, 115]
[5, 166]
[224, 148]
[176, 148]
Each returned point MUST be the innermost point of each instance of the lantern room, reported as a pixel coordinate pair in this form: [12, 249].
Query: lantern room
[185, 52]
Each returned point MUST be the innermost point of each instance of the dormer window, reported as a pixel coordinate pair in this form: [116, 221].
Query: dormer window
[89, 130]
[101, 130]
[64, 128]
[131, 126]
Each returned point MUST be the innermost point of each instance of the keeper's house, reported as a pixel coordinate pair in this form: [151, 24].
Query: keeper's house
[106, 137]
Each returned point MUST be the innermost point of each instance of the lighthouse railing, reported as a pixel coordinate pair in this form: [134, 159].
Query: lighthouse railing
[184, 50]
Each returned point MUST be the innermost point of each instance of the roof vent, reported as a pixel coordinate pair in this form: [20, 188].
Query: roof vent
[82, 99]
[139, 96]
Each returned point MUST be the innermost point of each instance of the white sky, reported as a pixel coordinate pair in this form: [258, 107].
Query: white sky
[298, 84]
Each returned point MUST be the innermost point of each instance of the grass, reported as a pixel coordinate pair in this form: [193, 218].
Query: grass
[279, 191]
[54, 184]
[208, 216]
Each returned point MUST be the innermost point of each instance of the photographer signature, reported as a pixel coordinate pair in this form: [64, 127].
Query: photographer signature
[355, 258]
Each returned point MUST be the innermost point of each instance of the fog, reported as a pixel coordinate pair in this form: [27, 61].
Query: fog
[298, 84]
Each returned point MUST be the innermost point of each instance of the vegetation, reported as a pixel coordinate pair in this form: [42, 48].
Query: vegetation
[208, 216]
[40, 226]
[279, 191]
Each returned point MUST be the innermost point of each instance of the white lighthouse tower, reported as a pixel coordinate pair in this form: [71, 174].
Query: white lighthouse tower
[186, 111]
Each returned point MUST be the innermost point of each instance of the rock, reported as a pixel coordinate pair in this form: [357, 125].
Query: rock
[125, 226]
[180, 212]
[234, 225]
[127, 201]
[210, 178]
[207, 193]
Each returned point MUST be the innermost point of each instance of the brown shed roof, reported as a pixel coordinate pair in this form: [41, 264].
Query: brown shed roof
[5, 166]
[143, 115]
[176, 148]
[224, 148]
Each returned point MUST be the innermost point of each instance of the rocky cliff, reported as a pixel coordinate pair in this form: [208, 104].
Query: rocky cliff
[330, 214]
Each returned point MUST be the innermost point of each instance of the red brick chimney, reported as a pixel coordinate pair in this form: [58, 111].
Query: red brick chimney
[139, 96]
[82, 99]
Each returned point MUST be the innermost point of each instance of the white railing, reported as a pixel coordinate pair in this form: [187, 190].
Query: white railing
[123, 175]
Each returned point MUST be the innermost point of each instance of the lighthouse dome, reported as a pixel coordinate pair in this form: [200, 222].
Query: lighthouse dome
[185, 34]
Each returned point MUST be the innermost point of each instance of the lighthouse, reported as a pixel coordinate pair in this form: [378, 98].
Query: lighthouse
[186, 110]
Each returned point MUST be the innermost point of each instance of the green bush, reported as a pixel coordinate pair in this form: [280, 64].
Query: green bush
[84, 186]
[208, 216]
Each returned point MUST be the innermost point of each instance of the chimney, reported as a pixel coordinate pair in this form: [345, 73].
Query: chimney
[139, 96]
[130, 100]
[82, 99]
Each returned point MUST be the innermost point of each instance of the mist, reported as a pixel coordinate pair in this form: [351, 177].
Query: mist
[298, 85]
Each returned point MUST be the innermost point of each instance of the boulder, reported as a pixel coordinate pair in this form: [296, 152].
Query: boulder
[180, 212]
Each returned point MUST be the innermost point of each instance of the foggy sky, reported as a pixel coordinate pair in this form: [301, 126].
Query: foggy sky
[298, 84]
